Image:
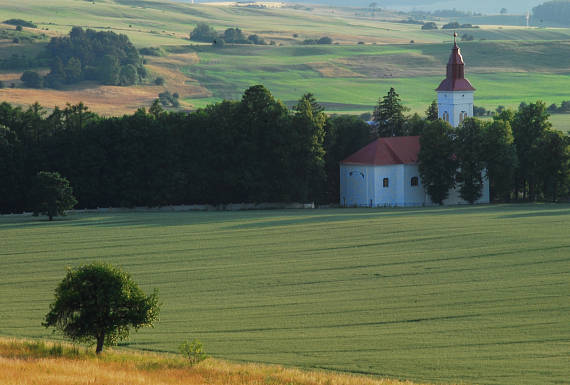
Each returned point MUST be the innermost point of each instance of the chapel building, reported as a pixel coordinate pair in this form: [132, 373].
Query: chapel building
[386, 171]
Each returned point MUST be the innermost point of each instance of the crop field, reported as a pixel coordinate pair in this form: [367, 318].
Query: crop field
[508, 64]
[456, 294]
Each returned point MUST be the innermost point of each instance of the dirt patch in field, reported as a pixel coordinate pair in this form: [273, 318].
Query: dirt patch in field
[174, 80]
[104, 100]
[387, 66]
[333, 70]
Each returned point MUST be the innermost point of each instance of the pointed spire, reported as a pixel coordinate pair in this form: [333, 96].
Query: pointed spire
[455, 80]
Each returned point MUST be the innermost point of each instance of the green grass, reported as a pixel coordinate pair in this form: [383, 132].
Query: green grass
[507, 65]
[561, 122]
[457, 294]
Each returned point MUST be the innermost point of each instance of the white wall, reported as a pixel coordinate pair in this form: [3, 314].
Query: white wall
[363, 186]
[454, 102]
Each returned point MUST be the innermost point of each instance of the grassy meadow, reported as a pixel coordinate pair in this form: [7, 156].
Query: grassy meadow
[439, 295]
[507, 64]
[26, 362]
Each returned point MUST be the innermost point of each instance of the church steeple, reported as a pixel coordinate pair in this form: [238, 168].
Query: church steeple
[455, 93]
[455, 79]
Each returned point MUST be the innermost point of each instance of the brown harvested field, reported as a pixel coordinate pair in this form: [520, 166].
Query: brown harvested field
[109, 100]
[27, 363]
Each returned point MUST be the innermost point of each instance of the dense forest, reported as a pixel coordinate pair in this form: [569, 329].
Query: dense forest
[104, 56]
[557, 11]
[257, 150]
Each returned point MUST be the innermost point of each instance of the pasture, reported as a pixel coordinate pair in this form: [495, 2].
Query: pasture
[507, 64]
[454, 294]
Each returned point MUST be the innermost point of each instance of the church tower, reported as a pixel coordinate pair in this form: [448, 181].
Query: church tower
[455, 93]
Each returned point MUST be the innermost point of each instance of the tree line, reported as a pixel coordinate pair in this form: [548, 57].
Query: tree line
[258, 150]
[519, 152]
[252, 150]
[552, 11]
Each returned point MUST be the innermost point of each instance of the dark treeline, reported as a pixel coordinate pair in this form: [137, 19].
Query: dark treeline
[253, 150]
[554, 11]
[524, 157]
[257, 150]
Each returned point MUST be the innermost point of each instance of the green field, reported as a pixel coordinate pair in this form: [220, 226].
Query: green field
[507, 64]
[458, 294]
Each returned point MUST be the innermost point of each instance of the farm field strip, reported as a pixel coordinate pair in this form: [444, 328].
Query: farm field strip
[463, 294]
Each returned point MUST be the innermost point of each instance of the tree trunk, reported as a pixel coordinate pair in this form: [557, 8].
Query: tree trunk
[50, 217]
[100, 341]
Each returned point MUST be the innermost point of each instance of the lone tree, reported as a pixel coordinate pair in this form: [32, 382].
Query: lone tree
[52, 194]
[99, 302]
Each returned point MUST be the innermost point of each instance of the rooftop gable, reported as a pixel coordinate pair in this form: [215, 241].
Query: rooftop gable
[387, 151]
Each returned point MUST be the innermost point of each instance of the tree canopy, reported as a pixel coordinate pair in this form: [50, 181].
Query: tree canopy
[389, 115]
[100, 303]
[90, 55]
[437, 161]
[52, 194]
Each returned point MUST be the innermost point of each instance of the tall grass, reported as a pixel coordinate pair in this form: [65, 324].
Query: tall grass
[44, 363]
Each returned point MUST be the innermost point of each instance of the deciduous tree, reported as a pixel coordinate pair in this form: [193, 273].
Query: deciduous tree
[52, 194]
[99, 302]
[437, 161]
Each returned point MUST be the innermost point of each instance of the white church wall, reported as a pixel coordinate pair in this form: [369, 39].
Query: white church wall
[454, 103]
[354, 185]
[392, 195]
[413, 195]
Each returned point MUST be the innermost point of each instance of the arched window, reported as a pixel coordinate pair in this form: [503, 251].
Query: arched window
[462, 116]
[386, 183]
[415, 181]
[445, 116]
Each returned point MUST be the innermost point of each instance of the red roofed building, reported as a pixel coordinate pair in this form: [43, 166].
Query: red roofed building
[455, 93]
[386, 173]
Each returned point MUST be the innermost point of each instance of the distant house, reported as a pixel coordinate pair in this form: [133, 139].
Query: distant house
[386, 172]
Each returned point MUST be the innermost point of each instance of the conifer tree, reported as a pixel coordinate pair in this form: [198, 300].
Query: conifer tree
[389, 115]
[432, 113]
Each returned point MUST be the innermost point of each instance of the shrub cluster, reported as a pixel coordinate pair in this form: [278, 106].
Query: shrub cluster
[205, 33]
[90, 55]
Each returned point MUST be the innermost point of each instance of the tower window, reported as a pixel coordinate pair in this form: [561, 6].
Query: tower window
[385, 182]
[414, 181]
[445, 116]
[462, 116]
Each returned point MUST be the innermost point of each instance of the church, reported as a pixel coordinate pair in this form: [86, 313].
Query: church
[386, 171]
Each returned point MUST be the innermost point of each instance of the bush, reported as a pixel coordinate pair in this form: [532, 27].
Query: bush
[204, 33]
[19, 28]
[325, 40]
[32, 79]
[152, 51]
[194, 351]
[1, 84]
[21, 23]
[159, 81]
[452, 25]
[429, 25]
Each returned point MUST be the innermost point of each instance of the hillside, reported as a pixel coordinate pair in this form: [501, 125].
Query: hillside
[374, 53]
[440, 295]
[44, 363]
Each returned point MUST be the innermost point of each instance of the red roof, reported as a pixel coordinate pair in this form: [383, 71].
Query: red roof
[455, 80]
[387, 151]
